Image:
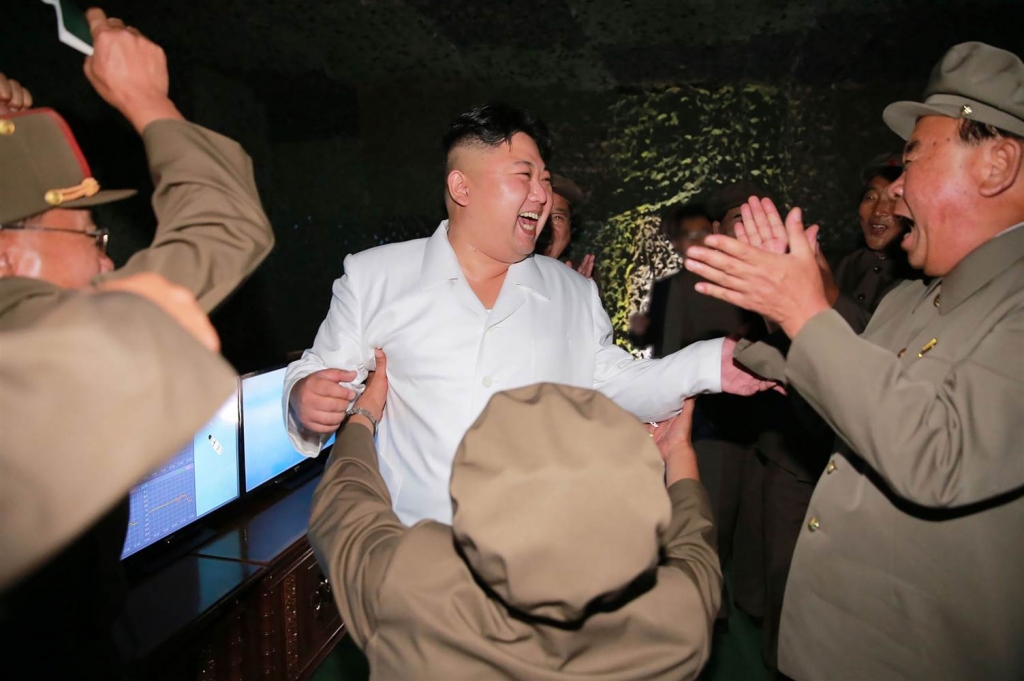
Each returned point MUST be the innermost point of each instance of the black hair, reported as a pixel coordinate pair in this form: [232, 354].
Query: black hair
[974, 132]
[496, 124]
[673, 216]
[888, 173]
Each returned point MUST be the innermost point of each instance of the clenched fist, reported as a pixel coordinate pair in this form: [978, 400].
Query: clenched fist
[319, 403]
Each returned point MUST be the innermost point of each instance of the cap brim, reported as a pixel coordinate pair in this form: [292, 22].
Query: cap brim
[901, 117]
[99, 198]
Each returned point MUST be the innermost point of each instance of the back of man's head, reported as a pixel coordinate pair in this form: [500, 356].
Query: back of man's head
[558, 500]
[492, 125]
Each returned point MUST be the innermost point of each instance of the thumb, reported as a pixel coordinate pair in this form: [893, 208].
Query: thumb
[381, 359]
[795, 232]
[812, 238]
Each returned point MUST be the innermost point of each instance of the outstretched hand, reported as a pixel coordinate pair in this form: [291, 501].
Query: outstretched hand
[762, 227]
[786, 288]
[736, 380]
[673, 440]
[128, 70]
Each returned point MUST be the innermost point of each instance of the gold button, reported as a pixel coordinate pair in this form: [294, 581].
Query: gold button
[813, 524]
[938, 300]
[54, 197]
[831, 466]
[6, 127]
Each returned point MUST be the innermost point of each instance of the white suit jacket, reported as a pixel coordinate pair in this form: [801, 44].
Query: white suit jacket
[447, 355]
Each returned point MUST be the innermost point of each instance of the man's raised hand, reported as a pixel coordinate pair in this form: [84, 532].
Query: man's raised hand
[128, 71]
[785, 288]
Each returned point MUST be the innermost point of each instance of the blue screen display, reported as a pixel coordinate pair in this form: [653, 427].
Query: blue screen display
[200, 478]
[268, 451]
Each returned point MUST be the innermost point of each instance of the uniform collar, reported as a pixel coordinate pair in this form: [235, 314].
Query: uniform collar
[440, 264]
[981, 266]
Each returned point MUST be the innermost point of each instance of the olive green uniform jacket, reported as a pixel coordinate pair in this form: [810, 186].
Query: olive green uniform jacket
[411, 602]
[909, 563]
[98, 390]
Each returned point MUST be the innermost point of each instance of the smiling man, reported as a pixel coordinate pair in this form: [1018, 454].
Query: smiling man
[909, 563]
[470, 312]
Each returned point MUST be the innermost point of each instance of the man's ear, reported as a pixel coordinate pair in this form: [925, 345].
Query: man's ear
[1001, 166]
[457, 185]
[716, 226]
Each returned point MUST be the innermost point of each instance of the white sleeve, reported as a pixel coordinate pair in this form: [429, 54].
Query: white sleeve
[339, 344]
[652, 389]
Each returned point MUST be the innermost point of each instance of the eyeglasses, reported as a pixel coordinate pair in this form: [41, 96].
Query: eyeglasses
[101, 235]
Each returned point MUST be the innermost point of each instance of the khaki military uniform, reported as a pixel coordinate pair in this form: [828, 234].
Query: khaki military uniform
[211, 234]
[909, 563]
[413, 600]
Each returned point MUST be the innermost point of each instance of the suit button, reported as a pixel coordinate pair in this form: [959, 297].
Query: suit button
[813, 524]
[487, 382]
[831, 466]
[876, 269]
[860, 296]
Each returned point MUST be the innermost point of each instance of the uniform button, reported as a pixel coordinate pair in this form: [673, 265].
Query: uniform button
[831, 466]
[813, 524]
[487, 381]
[860, 296]
[876, 268]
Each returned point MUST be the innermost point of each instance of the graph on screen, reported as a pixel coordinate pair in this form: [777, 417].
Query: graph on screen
[200, 478]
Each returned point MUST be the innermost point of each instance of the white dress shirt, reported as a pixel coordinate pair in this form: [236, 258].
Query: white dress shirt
[447, 355]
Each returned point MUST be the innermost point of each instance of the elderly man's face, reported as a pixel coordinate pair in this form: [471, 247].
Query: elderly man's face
[66, 258]
[936, 185]
[509, 193]
[878, 221]
[560, 225]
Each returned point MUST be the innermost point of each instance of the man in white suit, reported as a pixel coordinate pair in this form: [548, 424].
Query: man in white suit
[470, 312]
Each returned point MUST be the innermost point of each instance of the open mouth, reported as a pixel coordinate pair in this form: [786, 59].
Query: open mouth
[906, 226]
[528, 220]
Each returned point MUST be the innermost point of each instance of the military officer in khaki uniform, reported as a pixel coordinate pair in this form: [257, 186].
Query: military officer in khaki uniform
[212, 233]
[909, 566]
[566, 558]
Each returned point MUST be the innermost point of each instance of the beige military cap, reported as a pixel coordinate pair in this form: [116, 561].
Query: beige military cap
[43, 167]
[974, 81]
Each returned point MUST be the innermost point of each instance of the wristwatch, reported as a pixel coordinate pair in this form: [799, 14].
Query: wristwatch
[366, 413]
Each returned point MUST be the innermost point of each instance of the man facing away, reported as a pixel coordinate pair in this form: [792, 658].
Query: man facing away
[908, 566]
[566, 558]
[470, 312]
